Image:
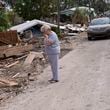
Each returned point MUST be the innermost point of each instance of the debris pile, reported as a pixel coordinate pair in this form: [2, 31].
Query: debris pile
[75, 28]
[19, 63]
[16, 73]
[22, 62]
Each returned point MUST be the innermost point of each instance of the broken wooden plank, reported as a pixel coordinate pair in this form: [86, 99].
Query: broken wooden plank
[9, 37]
[24, 56]
[10, 65]
[8, 82]
[16, 75]
[15, 50]
[2, 48]
[31, 57]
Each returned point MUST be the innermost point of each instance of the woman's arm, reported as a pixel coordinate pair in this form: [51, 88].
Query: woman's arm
[49, 41]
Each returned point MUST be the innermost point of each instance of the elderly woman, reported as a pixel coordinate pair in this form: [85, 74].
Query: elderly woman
[52, 50]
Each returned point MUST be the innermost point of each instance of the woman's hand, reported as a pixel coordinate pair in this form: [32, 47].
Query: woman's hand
[46, 36]
[48, 41]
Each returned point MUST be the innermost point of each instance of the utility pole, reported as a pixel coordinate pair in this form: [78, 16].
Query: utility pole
[90, 10]
[78, 3]
[58, 16]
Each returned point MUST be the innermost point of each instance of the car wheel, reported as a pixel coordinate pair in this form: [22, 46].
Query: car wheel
[90, 37]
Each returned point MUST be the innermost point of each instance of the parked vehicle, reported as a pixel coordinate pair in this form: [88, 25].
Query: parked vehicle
[99, 27]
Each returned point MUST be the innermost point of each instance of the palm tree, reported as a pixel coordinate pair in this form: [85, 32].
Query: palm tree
[80, 17]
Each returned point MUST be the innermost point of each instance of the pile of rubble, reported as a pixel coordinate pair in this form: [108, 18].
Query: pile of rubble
[15, 73]
[21, 62]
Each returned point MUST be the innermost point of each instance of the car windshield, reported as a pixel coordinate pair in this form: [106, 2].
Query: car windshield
[100, 21]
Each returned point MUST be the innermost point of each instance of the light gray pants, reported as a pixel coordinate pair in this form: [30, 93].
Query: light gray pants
[53, 60]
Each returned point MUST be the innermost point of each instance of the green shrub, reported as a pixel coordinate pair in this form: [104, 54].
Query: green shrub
[4, 21]
[57, 31]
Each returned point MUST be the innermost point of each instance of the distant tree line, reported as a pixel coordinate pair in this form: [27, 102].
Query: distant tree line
[30, 9]
[37, 9]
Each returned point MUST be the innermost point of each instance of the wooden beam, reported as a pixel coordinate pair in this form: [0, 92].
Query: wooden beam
[15, 50]
[4, 82]
[10, 65]
[31, 57]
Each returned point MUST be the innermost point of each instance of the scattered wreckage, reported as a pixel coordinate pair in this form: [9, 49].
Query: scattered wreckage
[22, 58]
[17, 63]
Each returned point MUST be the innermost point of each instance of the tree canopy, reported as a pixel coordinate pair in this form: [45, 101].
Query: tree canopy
[31, 9]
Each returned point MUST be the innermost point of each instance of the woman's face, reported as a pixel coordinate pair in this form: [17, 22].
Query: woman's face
[46, 32]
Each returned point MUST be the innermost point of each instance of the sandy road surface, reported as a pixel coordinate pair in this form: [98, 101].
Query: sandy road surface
[84, 85]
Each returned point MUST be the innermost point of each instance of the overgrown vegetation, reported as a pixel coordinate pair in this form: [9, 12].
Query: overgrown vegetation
[4, 20]
[31, 9]
[80, 17]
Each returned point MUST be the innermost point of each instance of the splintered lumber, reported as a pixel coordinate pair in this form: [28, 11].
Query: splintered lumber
[31, 57]
[4, 82]
[15, 50]
[3, 47]
[15, 75]
[22, 57]
[9, 37]
[10, 65]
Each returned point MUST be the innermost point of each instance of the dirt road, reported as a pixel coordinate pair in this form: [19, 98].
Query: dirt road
[84, 84]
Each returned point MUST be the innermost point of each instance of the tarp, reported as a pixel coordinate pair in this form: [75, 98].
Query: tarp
[24, 26]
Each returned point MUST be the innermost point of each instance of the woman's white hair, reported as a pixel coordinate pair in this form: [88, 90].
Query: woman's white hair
[45, 27]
